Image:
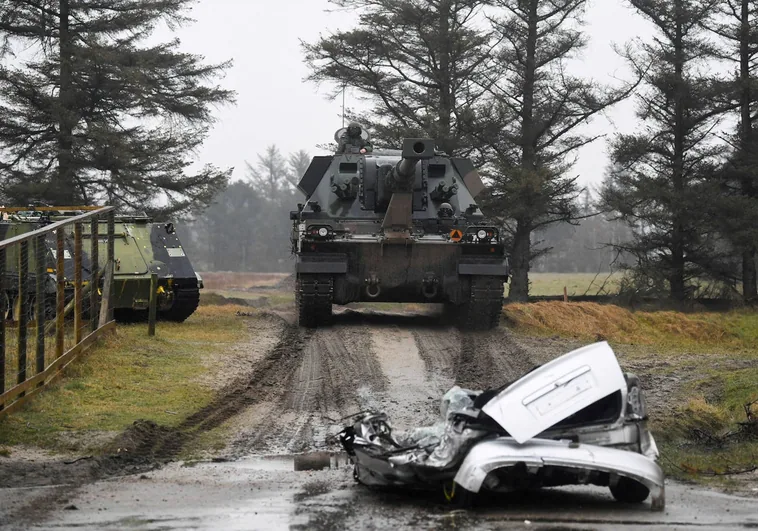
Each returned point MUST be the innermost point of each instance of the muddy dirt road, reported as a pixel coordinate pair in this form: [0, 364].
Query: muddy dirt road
[301, 384]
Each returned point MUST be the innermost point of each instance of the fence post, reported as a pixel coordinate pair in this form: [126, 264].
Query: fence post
[41, 274]
[23, 268]
[106, 302]
[5, 303]
[78, 282]
[60, 306]
[111, 261]
[153, 312]
[95, 272]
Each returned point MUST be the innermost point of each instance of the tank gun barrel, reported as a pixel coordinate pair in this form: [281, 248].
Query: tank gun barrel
[414, 151]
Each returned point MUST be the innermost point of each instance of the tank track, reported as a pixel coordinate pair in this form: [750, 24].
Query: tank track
[482, 310]
[313, 295]
[186, 301]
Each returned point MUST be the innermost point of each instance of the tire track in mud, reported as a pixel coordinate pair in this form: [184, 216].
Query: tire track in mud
[490, 359]
[336, 369]
[297, 395]
[411, 398]
[439, 349]
[147, 439]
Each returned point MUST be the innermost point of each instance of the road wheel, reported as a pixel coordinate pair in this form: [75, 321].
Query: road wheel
[629, 491]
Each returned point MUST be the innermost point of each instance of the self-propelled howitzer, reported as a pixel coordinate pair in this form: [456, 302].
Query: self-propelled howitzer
[396, 226]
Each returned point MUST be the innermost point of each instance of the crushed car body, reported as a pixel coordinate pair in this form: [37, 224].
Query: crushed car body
[578, 419]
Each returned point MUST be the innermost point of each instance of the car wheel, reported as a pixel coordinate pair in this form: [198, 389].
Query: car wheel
[629, 491]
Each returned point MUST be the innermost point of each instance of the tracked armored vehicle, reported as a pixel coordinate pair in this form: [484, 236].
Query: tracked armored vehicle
[395, 226]
[17, 222]
[141, 247]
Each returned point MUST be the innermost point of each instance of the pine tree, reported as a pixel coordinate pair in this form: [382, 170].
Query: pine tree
[423, 64]
[737, 212]
[98, 115]
[662, 179]
[530, 123]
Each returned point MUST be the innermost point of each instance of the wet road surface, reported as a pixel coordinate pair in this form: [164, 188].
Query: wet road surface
[292, 403]
[266, 493]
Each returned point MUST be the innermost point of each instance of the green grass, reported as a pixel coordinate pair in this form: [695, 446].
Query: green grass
[715, 352]
[543, 284]
[702, 439]
[129, 376]
[735, 331]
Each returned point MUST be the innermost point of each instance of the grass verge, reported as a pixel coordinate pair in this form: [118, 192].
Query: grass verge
[713, 435]
[129, 376]
[703, 432]
[736, 330]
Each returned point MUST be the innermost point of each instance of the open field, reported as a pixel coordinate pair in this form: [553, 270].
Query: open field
[221, 280]
[544, 284]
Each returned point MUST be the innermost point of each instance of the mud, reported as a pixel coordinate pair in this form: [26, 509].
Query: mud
[294, 390]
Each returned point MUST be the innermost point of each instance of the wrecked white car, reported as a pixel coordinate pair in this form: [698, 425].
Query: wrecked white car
[575, 420]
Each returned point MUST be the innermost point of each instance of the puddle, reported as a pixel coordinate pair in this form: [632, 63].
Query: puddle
[299, 462]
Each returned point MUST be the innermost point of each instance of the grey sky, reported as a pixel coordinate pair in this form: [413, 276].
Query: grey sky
[275, 106]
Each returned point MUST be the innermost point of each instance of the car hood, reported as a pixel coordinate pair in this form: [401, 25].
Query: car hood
[556, 390]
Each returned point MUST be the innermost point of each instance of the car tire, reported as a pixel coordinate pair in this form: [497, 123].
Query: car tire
[629, 491]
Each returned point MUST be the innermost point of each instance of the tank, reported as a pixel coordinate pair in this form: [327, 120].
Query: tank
[141, 247]
[396, 226]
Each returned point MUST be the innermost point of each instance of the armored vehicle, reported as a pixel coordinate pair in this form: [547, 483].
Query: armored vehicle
[16, 223]
[395, 226]
[141, 247]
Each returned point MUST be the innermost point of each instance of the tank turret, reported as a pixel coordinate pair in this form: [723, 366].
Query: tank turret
[395, 225]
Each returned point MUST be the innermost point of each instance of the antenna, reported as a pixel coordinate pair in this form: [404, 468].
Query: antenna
[343, 104]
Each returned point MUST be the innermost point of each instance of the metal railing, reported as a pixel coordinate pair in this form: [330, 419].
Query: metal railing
[55, 296]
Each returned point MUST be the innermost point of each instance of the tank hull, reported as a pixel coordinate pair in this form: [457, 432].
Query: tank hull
[417, 272]
[468, 279]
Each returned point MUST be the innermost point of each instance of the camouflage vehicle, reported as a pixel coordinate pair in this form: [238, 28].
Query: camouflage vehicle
[22, 222]
[141, 248]
[395, 226]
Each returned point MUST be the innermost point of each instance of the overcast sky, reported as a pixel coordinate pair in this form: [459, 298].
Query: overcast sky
[275, 105]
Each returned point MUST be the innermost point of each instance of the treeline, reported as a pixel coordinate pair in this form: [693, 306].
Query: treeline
[93, 111]
[247, 228]
[489, 79]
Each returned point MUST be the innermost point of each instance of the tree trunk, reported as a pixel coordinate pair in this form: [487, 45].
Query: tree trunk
[749, 280]
[446, 104]
[519, 290]
[676, 273]
[63, 187]
[521, 253]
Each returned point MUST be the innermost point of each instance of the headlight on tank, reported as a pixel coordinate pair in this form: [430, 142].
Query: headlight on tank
[485, 235]
[320, 232]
